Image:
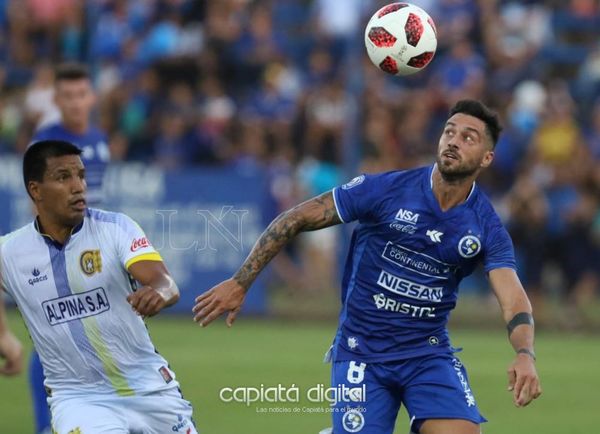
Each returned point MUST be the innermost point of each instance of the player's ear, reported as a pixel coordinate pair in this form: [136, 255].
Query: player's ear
[33, 187]
[488, 157]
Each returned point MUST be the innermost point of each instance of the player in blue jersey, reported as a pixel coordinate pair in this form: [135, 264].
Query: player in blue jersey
[420, 233]
[75, 98]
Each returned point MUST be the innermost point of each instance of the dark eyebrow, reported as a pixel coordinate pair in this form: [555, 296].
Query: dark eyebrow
[475, 130]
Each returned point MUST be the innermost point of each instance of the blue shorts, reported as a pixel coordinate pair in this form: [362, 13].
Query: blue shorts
[430, 387]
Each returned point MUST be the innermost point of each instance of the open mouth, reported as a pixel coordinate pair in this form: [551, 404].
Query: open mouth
[451, 155]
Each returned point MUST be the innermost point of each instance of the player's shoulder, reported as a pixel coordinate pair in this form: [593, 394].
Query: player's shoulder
[18, 238]
[48, 131]
[100, 217]
[109, 221]
[484, 209]
[410, 177]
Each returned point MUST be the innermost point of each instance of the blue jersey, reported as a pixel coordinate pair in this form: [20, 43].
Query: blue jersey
[95, 154]
[406, 260]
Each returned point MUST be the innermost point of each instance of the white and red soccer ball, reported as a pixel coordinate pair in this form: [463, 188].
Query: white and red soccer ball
[401, 39]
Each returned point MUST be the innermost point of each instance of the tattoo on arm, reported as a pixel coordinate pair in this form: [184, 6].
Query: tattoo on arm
[316, 213]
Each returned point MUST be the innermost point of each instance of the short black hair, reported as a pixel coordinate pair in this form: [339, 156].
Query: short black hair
[71, 71]
[479, 110]
[36, 157]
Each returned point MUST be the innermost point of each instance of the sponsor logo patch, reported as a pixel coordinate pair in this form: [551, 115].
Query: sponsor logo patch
[37, 277]
[165, 374]
[433, 340]
[352, 342]
[353, 421]
[76, 306]
[416, 262]
[181, 424]
[469, 398]
[404, 228]
[90, 262]
[139, 243]
[354, 182]
[434, 236]
[407, 216]
[391, 305]
[409, 289]
[469, 246]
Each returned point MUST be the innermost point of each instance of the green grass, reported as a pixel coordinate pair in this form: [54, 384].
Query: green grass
[272, 352]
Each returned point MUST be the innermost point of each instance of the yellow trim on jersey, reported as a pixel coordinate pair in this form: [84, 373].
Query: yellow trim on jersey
[155, 256]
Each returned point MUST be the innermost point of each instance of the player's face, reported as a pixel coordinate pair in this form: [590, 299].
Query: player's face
[61, 194]
[464, 148]
[75, 99]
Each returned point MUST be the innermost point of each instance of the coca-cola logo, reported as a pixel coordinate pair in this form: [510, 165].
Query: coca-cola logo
[139, 243]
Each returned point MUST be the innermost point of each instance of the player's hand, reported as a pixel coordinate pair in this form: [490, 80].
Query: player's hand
[523, 380]
[227, 296]
[11, 350]
[147, 301]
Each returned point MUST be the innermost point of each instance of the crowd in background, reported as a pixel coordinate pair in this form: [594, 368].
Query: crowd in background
[285, 85]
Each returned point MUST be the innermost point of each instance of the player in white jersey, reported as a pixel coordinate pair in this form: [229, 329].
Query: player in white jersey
[71, 273]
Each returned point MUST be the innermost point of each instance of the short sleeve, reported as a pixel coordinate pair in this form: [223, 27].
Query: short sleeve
[499, 251]
[356, 199]
[133, 244]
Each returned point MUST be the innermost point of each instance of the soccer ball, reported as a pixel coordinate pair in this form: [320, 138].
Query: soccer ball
[401, 39]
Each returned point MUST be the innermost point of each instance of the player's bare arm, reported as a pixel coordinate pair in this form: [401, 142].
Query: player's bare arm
[228, 296]
[523, 379]
[159, 290]
[10, 348]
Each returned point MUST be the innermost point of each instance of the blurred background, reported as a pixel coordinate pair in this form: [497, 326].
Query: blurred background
[221, 114]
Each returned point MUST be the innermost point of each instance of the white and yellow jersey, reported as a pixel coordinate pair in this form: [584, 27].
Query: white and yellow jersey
[73, 300]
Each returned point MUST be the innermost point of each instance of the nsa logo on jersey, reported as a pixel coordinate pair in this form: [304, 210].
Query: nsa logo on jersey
[469, 246]
[90, 262]
[354, 182]
[353, 421]
[407, 216]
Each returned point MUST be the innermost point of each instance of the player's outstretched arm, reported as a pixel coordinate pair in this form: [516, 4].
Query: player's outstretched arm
[523, 379]
[228, 296]
[10, 348]
[159, 290]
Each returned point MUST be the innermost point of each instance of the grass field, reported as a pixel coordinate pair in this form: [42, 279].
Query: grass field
[272, 352]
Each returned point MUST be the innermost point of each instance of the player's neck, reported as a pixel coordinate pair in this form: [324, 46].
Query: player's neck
[450, 193]
[76, 127]
[59, 232]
